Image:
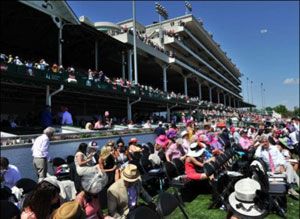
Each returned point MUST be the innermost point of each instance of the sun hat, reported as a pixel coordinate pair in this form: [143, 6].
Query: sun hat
[189, 122]
[133, 140]
[179, 141]
[105, 152]
[130, 173]
[155, 159]
[160, 123]
[195, 150]
[221, 124]
[162, 140]
[93, 145]
[94, 181]
[69, 210]
[171, 134]
[232, 129]
[242, 200]
[258, 164]
[183, 133]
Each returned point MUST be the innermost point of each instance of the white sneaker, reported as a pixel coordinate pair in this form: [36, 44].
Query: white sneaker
[293, 192]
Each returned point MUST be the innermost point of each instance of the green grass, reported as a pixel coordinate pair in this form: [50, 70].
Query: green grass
[199, 209]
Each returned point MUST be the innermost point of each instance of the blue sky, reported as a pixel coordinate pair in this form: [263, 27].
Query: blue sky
[262, 38]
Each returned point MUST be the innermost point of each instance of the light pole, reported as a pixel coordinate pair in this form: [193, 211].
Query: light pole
[162, 12]
[134, 45]
[251, 92]
[247, 89]
[262, 99]
[188, 7]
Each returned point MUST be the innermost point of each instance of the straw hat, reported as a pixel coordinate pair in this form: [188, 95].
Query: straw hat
[69, 210]
[105, 152]
[130, 173]
[242, 199]
[195, 150]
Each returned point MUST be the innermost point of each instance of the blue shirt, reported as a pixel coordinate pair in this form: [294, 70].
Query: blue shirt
[46, 118]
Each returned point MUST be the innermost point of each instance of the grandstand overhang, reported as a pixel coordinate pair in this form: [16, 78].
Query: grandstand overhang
[54, 8]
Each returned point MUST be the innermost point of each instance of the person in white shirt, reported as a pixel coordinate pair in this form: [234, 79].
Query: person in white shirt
[9, 172]
[66, 117]
[276, 162]
[40, 153]
[147, 125]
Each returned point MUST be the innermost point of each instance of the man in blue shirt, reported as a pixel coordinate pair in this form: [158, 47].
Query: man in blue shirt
[47, 117]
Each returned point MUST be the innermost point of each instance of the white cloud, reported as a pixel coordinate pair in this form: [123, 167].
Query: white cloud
[263, 31]
[291, 81]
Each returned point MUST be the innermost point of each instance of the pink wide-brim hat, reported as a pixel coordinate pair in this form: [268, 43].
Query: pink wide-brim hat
[162, 140]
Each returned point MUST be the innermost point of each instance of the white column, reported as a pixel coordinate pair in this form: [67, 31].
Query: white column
[96, 55]
[165, 77]
[48, 98]
[210, 94]
[123, 65]
[200, 91]
[185, 86]
[130, 65]
[128, 109]
[134, 44]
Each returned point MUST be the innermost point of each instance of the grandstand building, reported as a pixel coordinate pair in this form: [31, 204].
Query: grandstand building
[176, 56]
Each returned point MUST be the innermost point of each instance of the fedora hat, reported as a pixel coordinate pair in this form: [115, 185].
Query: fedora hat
[105, 152]
[131, 173]
[242, 200]
[69, 210]
[195, 150]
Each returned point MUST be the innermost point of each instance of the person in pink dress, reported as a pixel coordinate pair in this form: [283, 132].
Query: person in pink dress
[245, 142]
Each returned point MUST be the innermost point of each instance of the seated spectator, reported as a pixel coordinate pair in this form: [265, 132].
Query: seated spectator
[41, 201]
[89, 126]
[88, 199]
[276, 162]
[191, 162]
[17, 61]
[82, 161]
[161, 143]
[66, 117]
[54, 68]
[43, 64]
[98, 124]
[124, 194]
[9, 172]
[10, 59]
[147, 125]
[130, 124]
[61, 69]
[176, 151]
[160, 130]
[245, 142]
[132, 145]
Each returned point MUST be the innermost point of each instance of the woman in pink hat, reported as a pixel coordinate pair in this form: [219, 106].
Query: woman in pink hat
[161, 143]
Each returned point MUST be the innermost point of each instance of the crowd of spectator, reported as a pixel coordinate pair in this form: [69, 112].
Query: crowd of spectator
[96, 178]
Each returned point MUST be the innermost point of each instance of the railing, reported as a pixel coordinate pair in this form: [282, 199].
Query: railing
[83, 81]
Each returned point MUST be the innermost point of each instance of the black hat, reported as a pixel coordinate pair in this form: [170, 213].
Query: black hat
[26, 184]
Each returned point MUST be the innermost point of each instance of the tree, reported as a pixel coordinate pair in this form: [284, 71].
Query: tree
[281, 109]
[268, 108]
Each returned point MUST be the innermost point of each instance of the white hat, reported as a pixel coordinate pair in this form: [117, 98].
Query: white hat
[258, 164]
[242, 199]
[195, 150]
[160, 123]
[184, 133]
[94, 145]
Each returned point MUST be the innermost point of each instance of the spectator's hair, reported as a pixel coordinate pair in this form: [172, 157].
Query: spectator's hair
[4, 162]
[49, 131]
[82, 148]
[39, 201]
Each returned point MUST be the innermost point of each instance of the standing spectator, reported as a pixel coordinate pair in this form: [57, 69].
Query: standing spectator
[66, 117]
[9, 172]
[47, 117]
[160, 130]
[55, 68]
[10, 59]
[40, 153]
[17, 61]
